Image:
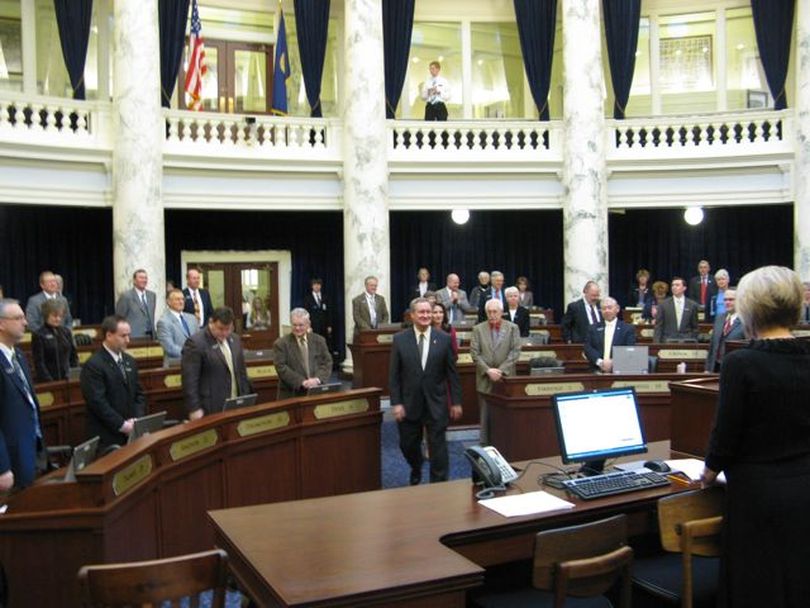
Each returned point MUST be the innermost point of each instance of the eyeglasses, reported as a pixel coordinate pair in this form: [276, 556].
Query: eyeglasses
[14, 318]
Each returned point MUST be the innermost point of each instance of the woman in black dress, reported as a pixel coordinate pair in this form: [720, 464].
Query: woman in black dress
[52, 345]
[761, 440]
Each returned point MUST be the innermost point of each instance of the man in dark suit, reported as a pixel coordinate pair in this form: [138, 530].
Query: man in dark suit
[495, 290]
[582, 314]
[301, 358]
[197, 300]
[22, 451]
[478, 291]
[50, 291]
[369, 309]
[726, 327]
[423, 284]
[213, 366]
[603, 337]
[137, 306]
[110, 386]
[514, 312]
[315, 305]
[703, 287]
[677, 317]
[421, 369]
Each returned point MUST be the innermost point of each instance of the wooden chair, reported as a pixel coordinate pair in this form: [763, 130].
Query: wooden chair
[573, 567]
[152, 582]
[690, 525]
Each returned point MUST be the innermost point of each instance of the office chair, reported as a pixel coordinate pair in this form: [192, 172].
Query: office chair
[154, 582]
[573, 567]
[686, 575]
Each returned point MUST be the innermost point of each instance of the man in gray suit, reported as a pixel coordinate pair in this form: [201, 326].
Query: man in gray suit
[137, 306]
[175, 326]
[213, 366]
[677, 316]
[495, 349]
[368, 309]
[301, 358]
[454, 299]
[726, 327]
[50, 291]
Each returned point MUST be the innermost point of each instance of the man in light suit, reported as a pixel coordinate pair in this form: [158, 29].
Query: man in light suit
[495, 349]
[421, 369]
[726, 327]
[495, 290]
[454, 299]
[50, 291]
[213, 366]
[301, 358]
[175, 326]
[22, 450]
[677, 317]
[581, 314]
[603, 337]
[197, 300]
[137, 306]
[368, 309]
[702, 288]
[112, 392]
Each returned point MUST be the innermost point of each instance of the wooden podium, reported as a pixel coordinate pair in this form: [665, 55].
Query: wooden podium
[694, 403]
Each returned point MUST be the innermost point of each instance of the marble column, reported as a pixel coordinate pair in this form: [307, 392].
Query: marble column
[366, 242]
[138, 238]
[585, 238]
[801, 168]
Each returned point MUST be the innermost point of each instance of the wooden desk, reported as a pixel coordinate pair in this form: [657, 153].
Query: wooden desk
[409, 547]
[694, 403]
[149, 499]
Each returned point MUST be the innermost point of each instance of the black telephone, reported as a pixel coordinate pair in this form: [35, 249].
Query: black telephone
[489, 467]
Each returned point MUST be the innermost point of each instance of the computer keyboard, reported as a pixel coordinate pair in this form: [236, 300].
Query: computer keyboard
[596, 486]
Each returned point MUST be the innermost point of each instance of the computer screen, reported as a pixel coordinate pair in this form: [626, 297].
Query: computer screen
[234, 403]
[83, 454]
[147, 424]
[596, 425]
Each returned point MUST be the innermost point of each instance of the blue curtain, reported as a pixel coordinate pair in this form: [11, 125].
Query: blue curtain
[536, 20]
[397, 28]
[312, 26]
[773, 22]
[621, 31]
[172, 17]
[73, 20]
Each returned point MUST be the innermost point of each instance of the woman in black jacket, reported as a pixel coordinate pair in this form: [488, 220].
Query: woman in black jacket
[52, 345]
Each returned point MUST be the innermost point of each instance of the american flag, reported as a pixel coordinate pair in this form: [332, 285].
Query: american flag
[196, 60]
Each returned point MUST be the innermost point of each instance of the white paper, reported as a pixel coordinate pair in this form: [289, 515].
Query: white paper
[526, 504]
[692, 468]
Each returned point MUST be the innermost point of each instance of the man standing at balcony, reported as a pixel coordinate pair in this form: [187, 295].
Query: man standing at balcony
[368, 309]
[197, 300]
[137, 306]
[677, 317]
[703, 287]
[50, 291]
[435, 91]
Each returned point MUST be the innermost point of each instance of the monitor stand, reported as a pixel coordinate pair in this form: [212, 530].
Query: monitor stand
[589, 468]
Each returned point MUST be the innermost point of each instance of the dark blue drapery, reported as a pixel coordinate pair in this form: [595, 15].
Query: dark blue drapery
[311, 28]
[536, 21]
[773, 22]
[621, 33]
[73, 19]
[397, 28]
[172, 18]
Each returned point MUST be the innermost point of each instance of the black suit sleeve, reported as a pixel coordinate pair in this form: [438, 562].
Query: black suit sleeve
[567, 324]
[93, 382]
[523, 322]
[394, 374]
[38, 353]
[452, 377]
[593, 348]
[190, 369]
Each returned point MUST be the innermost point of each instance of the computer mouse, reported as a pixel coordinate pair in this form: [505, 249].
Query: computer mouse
[659, 466]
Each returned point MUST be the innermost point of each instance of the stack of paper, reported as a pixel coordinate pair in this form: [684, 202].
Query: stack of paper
[526, 504]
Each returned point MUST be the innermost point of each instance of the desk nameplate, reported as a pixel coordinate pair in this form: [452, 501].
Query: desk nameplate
[262, 371]
[191, 445]
[261, 424]
[644, 386]
[550, 388]
[385, 338]
[340, 408]
[131, 475]
[45, 399]
[140, 352]
[464, 358]
[84, 356]
[683, 354]
[173, 381]
[648, 333]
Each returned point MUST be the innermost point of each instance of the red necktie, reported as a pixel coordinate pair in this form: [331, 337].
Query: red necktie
[703, 291]
[727, 325]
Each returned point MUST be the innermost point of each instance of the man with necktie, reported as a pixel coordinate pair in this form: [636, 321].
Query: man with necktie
[50, 291]
[454, 299]
[137, 306]
[301, 357]
[175, 326]
[197, 299]
[604, 336]
[435, 92]
[677, 318]
[315, 304]
[369, 309]
[581, 314]
[726, 327]
[702, 288]
[495, 290]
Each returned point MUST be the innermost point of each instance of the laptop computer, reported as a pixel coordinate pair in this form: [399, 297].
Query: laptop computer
[329, 387]
[242, 401]
[631, 359]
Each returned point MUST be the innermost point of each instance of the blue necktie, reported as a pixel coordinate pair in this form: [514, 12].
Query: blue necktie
[186, 330]
[21, 375]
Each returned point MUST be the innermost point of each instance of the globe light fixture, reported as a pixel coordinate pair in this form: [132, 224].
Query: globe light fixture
[460, 216]
[693, 215]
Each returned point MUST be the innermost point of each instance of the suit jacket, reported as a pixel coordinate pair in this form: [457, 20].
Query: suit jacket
[576, 323]
[666, 327]
[290, 364]
[54, 353]
[172, 336]
[475, 295]
[486, 296]
[318, 313]
[461, 306]
[694, 289]
[415, 290]
[420, 390]
[206, 305]
[649, 300]
[19, 446]
[110, 398]
[141, 321]
[205, 374]
[362, 316]
[504, 355]
[521, 320]
[718, 343]
[33, 311]
[623, 335]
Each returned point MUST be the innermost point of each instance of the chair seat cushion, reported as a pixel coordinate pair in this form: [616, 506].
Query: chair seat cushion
[662, 576]
[534, 598]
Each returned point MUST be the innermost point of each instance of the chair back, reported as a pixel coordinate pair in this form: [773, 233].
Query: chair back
[156, 581]
[698, 512]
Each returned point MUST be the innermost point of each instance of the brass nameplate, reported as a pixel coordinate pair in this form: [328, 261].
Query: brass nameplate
[260, 424]
[262, 371]
[45, 399]
[172, 380]
[154, 351]
[131, 475]
[550, 354]
[550, 388]
[692, 354]
[84, 356]
[647, 333]
[193, 444]
[340, 408]
[539, 332]
[141, 352]
[90, 332]
[465, 358]
[526, 355]
[26, 339]
[801, 333]
[385, 338]
[644, 386]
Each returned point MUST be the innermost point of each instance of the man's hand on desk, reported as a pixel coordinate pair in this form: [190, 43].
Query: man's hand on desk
[310, 383]
[399, 412]
[196, 414]
[707, 478]
[494, 374]
[455, 412]
[6, 481]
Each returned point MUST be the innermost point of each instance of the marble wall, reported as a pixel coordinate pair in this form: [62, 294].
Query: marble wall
[801, 167]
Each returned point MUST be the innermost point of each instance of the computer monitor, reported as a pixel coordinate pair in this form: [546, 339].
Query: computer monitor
[83, 454]
[595, 425]
[242, 401]
[329, 387]
[631, 359]
[147, 424]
